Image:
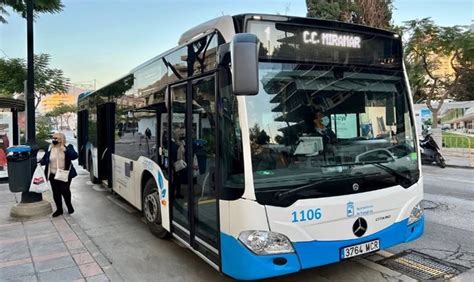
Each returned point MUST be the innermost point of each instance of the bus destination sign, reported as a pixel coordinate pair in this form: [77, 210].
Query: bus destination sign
[331, 39]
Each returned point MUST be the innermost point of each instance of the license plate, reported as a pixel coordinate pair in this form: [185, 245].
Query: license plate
[360, 249]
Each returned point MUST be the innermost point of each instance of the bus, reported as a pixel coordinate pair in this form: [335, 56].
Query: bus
[266, 144]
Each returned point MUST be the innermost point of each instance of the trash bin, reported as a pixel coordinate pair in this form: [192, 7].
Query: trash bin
[19, 168]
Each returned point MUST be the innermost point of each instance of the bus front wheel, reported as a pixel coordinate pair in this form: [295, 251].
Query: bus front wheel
[152, 209]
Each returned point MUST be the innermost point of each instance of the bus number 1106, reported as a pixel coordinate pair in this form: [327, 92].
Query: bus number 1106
[304, 215]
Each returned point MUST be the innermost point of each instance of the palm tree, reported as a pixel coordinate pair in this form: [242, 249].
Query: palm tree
[19, 6]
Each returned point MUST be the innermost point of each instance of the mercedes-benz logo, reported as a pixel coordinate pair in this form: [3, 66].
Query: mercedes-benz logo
[355, 186]
[359, 227]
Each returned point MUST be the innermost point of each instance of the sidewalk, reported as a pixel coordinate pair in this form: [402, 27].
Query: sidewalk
[46, 249]
[458, 161]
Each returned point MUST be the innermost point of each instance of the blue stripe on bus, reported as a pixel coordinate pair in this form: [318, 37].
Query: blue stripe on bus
[317, 253]
[240, 263]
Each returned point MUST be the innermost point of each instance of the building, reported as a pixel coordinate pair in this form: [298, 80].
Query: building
[459, 116]
[50, 102]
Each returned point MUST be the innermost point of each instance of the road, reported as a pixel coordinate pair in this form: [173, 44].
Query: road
[121, 236]
[449, 213]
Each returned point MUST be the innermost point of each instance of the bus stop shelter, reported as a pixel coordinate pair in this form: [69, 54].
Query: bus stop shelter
[14, 106]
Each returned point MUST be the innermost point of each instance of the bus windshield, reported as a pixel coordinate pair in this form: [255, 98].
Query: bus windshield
[347, 129]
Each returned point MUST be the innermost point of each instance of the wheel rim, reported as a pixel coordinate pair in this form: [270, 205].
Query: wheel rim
[151, 207]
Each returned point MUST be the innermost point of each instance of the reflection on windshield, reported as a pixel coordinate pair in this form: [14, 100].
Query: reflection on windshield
[310, 119]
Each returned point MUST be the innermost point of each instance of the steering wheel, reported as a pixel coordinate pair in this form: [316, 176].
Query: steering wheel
[375, 155]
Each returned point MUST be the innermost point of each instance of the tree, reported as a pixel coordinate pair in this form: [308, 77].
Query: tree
[466, 91]
[19, 6]
[47, 80]
[376, 13]
[426, 46]
[263, 138]
[12, 76]
[60, 112]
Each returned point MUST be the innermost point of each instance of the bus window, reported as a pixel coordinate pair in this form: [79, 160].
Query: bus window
[231, 155]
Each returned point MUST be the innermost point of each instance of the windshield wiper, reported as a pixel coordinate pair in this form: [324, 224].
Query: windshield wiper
[407, 179]
[290, 192]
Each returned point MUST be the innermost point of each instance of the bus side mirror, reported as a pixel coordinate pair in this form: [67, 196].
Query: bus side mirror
[244, 60]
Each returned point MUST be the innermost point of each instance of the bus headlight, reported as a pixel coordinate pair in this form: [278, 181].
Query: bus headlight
[266, 242]
[416, 214]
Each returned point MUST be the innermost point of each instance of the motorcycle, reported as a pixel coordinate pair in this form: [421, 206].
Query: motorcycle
[430, 151]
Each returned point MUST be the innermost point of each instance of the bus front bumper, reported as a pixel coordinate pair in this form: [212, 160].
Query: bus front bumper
[241, 263]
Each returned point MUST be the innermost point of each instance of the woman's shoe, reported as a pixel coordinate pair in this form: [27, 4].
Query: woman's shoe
[57, 213]
[70, 211]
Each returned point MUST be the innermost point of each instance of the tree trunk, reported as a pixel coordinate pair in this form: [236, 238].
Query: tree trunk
[435, 118]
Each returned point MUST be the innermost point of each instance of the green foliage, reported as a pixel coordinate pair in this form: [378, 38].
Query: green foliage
[62, 109]
[12, 76]
[61, 112]
[43, 128]
[466, 89]
[259, 136]
[376, 13]
[39, 6]
[47, 80]
[426, 44]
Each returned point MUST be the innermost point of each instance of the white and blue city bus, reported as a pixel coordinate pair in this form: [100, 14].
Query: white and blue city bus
[219, 143]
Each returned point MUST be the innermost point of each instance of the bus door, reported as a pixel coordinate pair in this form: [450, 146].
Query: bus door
[194, 192]
[105, 140]
[82, 133]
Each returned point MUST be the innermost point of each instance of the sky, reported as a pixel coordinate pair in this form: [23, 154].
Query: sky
[105, 39]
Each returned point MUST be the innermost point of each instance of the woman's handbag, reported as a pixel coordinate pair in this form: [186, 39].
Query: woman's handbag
[61, 174]
[179, 165]
[39, 183]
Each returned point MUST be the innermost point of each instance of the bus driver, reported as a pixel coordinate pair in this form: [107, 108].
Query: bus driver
[320, 124]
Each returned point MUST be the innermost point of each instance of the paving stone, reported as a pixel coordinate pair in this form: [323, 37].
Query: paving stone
[27, 278]
[42, 250]
[90, 269]
[39, 228]
[98, 278]
[69, 236]
[54, 264]
[76, 244]
[15, 251]
[15, 262]
[64, 274]
[83, 258]
[17, 270]
[78, 251]
[52, 238]
[14, 232]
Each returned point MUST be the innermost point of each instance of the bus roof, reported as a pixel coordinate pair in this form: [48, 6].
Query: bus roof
[227, 27]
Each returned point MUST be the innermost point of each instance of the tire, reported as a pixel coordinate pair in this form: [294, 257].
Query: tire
[90, 167]
[152, 209]
[440, 160]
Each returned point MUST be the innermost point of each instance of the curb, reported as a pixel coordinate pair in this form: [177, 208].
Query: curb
[459, 166]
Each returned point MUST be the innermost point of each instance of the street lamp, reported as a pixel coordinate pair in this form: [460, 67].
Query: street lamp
[32, 204]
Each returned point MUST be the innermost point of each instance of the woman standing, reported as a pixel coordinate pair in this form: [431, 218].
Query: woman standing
[60, 157]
